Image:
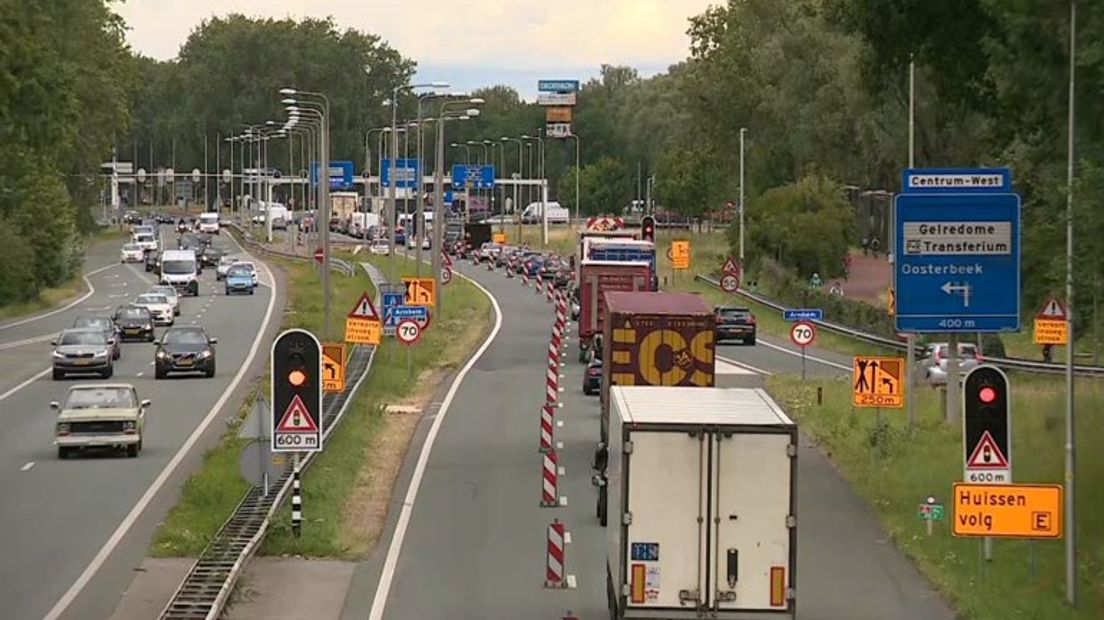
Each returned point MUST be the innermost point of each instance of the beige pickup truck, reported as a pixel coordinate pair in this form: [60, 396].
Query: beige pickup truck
[100, 416]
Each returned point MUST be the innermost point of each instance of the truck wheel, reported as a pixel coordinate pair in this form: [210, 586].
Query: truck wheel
[603, 506]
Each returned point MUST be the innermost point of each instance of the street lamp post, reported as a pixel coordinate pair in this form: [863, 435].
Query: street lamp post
[578, 172]
[517, 209]
[743, 132]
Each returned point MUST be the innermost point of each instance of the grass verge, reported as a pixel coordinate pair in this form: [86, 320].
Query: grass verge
[210, 494]
[894, 470]
[338, 521]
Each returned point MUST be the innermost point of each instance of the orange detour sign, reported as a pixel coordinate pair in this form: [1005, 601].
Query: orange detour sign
[1008, 510]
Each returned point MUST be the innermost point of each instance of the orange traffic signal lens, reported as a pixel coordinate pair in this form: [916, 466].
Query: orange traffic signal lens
[297, 378]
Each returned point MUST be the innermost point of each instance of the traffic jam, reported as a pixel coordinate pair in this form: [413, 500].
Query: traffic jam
[649, 356]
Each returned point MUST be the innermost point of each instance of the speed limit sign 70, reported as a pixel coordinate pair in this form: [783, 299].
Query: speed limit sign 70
[408, 331]
[803, 333]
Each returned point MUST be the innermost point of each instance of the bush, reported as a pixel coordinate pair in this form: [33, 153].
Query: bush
[17, 278]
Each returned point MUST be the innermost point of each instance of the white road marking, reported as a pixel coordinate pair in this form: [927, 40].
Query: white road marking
[760, 371]
[91, 290]
[27, 466]
[395, 548]
[18, 343]
[152, 363]
[34, 378]
[141, 372]
[128, 522]
[811, 358]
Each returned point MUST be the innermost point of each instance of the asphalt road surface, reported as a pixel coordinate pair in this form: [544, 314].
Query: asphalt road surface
[475, 542]
[57, 516]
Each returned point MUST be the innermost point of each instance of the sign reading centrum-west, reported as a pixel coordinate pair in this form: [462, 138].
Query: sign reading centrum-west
[958, 252]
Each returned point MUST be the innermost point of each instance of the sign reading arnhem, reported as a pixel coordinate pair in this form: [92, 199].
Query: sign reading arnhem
[958, 252]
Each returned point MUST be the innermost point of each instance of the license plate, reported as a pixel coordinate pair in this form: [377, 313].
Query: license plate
[184, 362]
[131, 330]
[82, 362]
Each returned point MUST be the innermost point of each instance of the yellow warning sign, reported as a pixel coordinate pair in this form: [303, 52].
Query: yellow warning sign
[878, 382]
[362, 331]
[680, 253]
[1008, 510]
[333, 367]
[1050, 331]
[499, 237]
[420, 291]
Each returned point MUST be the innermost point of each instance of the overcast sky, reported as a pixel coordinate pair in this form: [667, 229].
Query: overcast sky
[470, 43]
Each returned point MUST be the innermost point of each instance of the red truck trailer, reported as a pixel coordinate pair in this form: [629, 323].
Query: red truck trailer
[596, 278]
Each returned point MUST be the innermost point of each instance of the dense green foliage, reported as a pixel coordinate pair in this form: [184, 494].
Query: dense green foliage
[64, 74]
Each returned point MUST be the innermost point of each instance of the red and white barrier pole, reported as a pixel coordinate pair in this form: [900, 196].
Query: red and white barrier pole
[552, 385]
[554, 576]
[550, 473]
[547, 428]
[540, 282]
[525, 276]
[548, 295]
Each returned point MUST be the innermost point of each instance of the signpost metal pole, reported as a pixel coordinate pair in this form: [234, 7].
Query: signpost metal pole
[802, 363]
[743, 132]
[952, 378]
[910, 339]
[1071, 529]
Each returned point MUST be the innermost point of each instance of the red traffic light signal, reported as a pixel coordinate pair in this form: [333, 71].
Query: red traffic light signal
[647, 228]
[987, 395]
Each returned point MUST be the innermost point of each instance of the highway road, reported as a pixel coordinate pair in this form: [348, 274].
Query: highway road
[472, 543]
[74, 530]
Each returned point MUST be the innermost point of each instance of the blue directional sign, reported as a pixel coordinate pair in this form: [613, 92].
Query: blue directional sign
[417, 313]
[957, 252]
[341, 174]
[406, 171]
[388, 302]
[558, 86]
[803, 314]
[465, 176]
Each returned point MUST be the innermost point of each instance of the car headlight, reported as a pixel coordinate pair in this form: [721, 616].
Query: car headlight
[100, 354]
[204, 354]
[58, 355]
[162, 355]
[63, 428]
[129, 425]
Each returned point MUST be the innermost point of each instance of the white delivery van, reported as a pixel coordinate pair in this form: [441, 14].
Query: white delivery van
[279, 215]
[145, 240]
[180, 269]
[361, 222]
[209, 223]
[556, 214]
[700, 492]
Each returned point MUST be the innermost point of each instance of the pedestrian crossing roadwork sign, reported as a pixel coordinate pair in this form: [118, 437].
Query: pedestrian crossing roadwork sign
[878, 382]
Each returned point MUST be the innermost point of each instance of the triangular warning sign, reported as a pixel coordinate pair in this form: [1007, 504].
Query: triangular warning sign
[730, 267]
[987, 454]
[1052, 309]
[297, 419]
[364, 309]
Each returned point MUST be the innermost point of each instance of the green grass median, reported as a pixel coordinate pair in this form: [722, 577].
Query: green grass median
[895, 469]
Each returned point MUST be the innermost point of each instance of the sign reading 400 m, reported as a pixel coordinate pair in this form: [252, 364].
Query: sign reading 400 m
[958, 252]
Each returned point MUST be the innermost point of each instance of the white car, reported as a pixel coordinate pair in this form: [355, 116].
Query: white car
[223, 266]
[170, 293]
[146, 240]
[248, 265]
[132, 253]
[380, 247]
[159, 307]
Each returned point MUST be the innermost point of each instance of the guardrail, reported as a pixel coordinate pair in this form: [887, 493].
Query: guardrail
[1014, 363]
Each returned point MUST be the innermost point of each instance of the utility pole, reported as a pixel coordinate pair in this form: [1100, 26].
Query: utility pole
[743, 133]
[910, 339]
[1071, 428]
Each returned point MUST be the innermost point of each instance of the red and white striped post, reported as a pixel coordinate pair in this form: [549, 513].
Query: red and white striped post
[550, 480]
[552, 385]
[525, 276]
[511, 267]
[540, 282]
[554, 576]
[550, 292]
[547, 428]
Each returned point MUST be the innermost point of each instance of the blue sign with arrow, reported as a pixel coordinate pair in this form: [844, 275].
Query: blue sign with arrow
[803, 314]
[406, 172]
[957, 252]
[388, 302]
[466, 176]
[417, 313]
[341, 174]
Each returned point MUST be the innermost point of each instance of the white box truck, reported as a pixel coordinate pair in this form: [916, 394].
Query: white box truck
[701, 487]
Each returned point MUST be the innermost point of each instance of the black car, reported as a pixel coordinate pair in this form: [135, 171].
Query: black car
[592, 377]
[184, 349]
[153, 261]
[107, 326]
[134, 322]
[735, 323]
[210, 257]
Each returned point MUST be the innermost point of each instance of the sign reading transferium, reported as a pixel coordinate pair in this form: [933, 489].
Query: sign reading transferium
[466, 176]
[958, 252]
[558, 86]
[556, 99]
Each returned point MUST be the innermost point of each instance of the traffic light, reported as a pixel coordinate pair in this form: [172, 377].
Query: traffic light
[647, 228]
[986, 421]
[296, 391]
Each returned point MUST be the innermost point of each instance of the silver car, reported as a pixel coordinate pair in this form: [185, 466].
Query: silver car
[83, 350]
[170, 293]
[933, 365]
[224, 266]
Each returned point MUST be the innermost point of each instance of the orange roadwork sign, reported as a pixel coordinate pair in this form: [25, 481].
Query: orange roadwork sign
[1008, 510]
[877, 382]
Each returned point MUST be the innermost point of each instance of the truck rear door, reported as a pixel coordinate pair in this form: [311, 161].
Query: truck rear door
[665, 541]
[753, 543]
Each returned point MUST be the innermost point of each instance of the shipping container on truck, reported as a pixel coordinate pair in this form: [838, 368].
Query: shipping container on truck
[701, 499]
[597, 234]
[477, 234]
[598, 278]
[655, 339]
